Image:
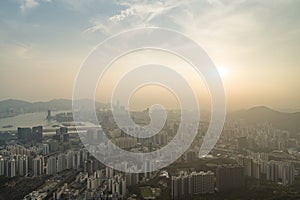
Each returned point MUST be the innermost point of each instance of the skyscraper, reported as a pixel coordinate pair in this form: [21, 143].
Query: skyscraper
[202, 182]
[61, 162]
[22, 165]
[24, 134]
[11, 168]
[51, 165]
[37, 133]
[2, 166]
[37, 166]
[69, 159]
[46, 149]
[193, 184]
[27, 134]
[76, 160]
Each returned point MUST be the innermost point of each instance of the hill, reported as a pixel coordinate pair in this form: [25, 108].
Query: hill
[261, 114]
[12, 107]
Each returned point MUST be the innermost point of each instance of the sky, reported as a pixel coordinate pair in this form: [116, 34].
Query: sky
[254, 44]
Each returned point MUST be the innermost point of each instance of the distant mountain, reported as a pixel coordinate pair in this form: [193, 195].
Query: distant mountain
[261, 114]
[13, 107]
[7, 105]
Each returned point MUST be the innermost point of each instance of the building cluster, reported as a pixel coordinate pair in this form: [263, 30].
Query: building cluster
[260, 136]
[61, 135]
[53, 156]
[34, 136]
[63, 117]
[102, 184]
[228, 178]
[187, 185]
[125, 141]
[63, 161]
[258, 165]
[270, 138]
[28, 135]
[16, 160]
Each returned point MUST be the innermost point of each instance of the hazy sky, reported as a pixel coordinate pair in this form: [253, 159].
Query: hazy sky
[255, 44]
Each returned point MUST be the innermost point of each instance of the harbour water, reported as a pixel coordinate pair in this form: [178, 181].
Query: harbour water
[28, 120]
[39, 119]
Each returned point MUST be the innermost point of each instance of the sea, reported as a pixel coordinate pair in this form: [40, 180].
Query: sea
[34, 119]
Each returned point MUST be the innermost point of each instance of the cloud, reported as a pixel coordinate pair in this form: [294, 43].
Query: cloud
[133, 14]
[28, 4]
[97, 25]
[230, 31]
[22, 50]
[144, 10]
[16, 51]
[165, 13]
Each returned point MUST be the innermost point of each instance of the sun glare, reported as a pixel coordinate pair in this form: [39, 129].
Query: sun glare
[223, 71]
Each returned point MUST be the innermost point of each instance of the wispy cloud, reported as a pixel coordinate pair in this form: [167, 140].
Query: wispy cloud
[22, 50]
[97, 25]
[28, 4]
[144, 10]
[134, 13]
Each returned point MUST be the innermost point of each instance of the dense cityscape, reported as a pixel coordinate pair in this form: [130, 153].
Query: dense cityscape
[52, 163]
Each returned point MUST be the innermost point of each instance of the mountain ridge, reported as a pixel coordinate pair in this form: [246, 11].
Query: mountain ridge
[260, 114]
[12, 107]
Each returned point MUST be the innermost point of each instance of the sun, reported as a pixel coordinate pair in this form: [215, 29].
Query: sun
[223, 71]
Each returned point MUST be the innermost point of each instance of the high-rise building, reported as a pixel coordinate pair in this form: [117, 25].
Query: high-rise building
[229, 177]
[202, 182]
[49, 115]
[11, 168]
[88, 166]
[37, 133]
[61, 162]
[22, 165]
[283, 172]
[175, 187]
[123, 187]
[92, 183]
[69, 159]
[109, 172]
[193, 184]
[272, 171]
[51, 166]
[24, 134]
[84, 155]
[2, 166]
[255, 169]
[132, 179]
[28, 135]
[37, 166]
[62, 134]
[288, 173]
[46, 149]
[76, 160]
